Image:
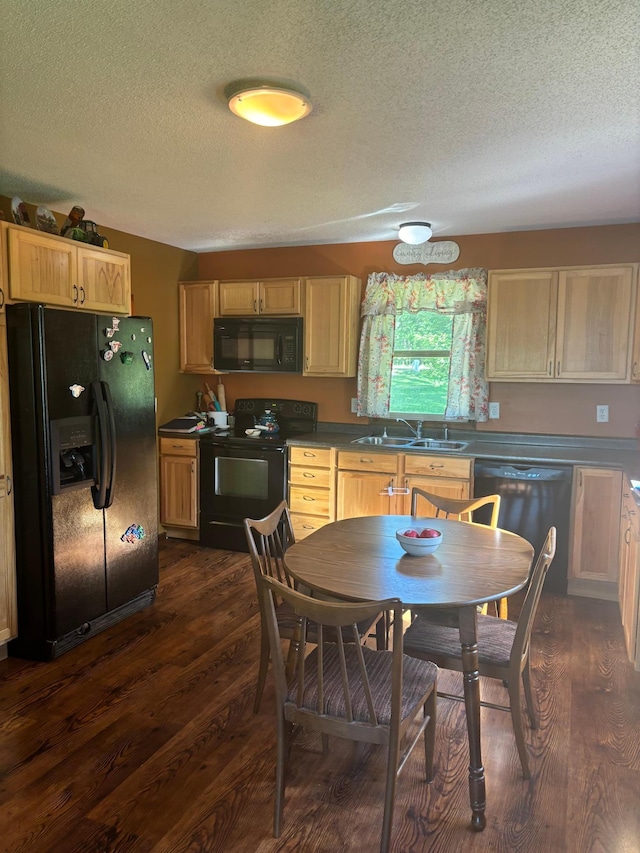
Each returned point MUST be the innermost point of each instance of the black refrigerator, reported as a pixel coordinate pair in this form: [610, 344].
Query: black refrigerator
[84, 461]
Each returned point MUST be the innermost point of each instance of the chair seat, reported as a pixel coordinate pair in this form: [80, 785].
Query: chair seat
[495, 639]
[418, 678]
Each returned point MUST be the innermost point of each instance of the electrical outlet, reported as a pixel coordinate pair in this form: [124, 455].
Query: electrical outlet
[494, 410]
[602, 414]
[354, 405]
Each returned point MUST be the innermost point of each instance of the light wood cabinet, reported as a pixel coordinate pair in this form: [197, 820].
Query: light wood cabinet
[198, 306]
[629, 580]
[8, 606]
[56, 271]
[276, 297]
[311, 488]
[331, 324]
[448, 476]
[368, 484]
[179, 484]
[594, 561]
[562, 325]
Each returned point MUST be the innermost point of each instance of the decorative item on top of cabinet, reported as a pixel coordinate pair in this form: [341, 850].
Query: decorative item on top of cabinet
[179, 509]
[564, 324]
[198, 307]
[8, 605]
[331, 325]
[50, 269]
[593, 560]
[311, 488]
[278, 297]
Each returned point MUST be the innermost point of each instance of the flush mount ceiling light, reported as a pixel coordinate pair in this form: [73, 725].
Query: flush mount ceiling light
[266, 104]
[415, 232]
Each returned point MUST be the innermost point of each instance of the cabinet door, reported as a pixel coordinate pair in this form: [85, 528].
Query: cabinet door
[521, 322]
[281, 297]
[361, 494]
[8, 611]
[331, 326]
[457, 489]
[594, 323]
[629, 582]
[179, 491]
[42, 268]
[239, 298]
[197, 310]
[596, 525]
[104, 281]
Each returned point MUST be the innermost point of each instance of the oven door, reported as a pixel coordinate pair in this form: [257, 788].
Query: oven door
[238, 482]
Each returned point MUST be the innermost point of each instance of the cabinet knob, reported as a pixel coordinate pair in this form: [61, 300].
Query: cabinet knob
[75, 293]
[308, 475]
[1, 297]
[9, 485]
[82, 296]
[307, 498]
[255, 306]
[307, 453]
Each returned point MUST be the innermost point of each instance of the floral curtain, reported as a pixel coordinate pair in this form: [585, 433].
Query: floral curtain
[462, 293]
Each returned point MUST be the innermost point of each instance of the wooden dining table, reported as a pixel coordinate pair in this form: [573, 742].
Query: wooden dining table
[361, 559]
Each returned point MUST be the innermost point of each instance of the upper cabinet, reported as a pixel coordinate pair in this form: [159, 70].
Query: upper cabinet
[56, 271]
[198, 307]
[277, 297]
[331, 323]
[329, 305]
[562, 325]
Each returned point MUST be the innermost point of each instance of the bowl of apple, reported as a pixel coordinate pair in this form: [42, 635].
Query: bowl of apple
[419, 541]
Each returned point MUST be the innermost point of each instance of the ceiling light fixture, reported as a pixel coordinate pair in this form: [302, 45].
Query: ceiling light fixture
[266, 104]
[415, 232]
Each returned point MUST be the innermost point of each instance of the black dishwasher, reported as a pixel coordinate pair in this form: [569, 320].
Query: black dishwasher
[533, 498]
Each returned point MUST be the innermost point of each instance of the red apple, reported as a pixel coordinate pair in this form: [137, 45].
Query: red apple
[429, 533]
[412, 533]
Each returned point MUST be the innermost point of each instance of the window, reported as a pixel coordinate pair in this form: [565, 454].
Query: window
[420, 366]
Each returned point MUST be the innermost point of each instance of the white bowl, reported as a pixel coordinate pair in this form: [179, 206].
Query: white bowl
[415, 545]
[253, 433]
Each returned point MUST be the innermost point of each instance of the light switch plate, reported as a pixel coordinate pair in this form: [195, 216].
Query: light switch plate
[494, 410]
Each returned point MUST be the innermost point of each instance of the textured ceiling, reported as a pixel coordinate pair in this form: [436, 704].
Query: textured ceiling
[478, 116]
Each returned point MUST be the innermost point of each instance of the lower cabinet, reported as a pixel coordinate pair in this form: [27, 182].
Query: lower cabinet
[595, 541]
[311, 488]
[381, 483]
[8, 607]
[179, 487]
[629, 581]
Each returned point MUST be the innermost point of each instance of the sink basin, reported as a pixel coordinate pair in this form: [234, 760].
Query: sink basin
[384, 442]
[413, 443]
[439, 444]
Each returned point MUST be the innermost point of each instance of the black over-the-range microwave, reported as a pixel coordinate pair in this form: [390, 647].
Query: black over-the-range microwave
[258, 344]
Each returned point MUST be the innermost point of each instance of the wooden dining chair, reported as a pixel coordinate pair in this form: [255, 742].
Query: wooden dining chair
[347, 690]
[503, 648]
[268, 539]
[461, 510]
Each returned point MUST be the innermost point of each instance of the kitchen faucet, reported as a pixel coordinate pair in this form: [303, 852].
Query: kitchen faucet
[417, 430]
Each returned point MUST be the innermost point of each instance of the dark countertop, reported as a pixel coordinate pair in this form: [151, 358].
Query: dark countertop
[599, 453]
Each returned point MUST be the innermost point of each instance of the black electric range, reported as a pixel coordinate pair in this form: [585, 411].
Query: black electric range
[243, 476]
[295, 417]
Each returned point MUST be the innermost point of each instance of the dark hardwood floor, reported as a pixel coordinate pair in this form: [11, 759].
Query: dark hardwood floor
[143, 739]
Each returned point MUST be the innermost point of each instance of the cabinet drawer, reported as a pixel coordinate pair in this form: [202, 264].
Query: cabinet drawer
[312, 501]
[179, 446]
[304, 476]
[310, 455]
[303, 525]
[438, 466]
[363, 461]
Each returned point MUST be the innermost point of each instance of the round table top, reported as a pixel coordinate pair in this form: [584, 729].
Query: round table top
[361, 559]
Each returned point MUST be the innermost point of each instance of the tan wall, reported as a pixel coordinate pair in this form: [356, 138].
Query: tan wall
[555, 409]
[156, 270]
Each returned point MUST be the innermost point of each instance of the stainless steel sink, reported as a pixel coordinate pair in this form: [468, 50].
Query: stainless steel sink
[384, 442]
[438, 444]
[413, 443]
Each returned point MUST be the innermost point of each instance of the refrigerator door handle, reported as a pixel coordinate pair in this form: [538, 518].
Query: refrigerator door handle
[106, 391]
[99, 491]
